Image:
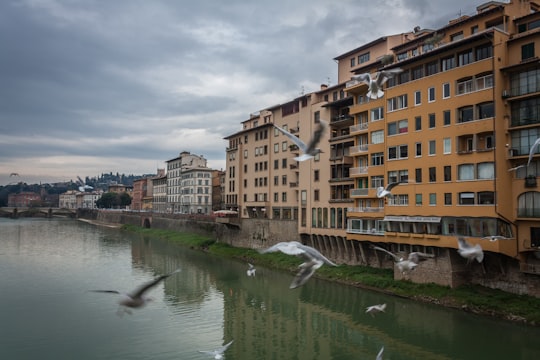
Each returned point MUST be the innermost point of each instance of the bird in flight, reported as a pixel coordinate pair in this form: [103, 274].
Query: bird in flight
[373, 309]
[314, 259]
[376, 81]
[310, 149]
[469, 251]
[495, 237]
[251, 270]
[382, 191]
[379, 355]
[218, 353]
[136, 298]
[406, 265]
[532, 150]
[13, 174]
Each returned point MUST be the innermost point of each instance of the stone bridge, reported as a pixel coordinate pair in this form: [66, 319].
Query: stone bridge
[15, 212]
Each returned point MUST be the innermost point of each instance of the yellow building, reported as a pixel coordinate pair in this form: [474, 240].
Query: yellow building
[464, 110]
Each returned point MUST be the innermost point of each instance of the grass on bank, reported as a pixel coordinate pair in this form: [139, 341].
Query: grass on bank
[471, 298]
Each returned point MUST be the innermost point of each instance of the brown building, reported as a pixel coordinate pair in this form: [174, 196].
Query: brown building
[24, 199]
[463, 111]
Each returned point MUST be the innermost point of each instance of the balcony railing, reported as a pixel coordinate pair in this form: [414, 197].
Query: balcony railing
[367, 232]
[358, 127]
[358, 170]
[358, 149]
[364, 209]
[359, 192]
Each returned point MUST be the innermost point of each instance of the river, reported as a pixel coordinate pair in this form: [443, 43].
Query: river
[48, 266]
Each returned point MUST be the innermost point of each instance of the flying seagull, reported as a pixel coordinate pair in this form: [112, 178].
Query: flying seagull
[470, 252]
[376, 81]
[379, 355]
[495, 238]
[136, 298]
[533, 149]
[314, 259]
[406, 265]
[373, 309]
[251, 270]
[517, 167]
[13, 174]
[309, 150]
[382, 191]
[218, 353]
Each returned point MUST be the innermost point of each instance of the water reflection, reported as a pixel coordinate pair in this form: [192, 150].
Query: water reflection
[210, 302]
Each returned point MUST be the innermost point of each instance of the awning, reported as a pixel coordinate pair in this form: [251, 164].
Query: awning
[425, 219]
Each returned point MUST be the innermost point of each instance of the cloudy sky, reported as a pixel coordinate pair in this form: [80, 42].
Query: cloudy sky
[93, 86]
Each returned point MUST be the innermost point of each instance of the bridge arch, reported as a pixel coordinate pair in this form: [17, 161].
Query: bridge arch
[146, 222]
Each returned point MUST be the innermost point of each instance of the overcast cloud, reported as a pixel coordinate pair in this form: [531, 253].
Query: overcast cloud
[90, 86]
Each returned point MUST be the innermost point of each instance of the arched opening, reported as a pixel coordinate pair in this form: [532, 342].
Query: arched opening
[147, 224]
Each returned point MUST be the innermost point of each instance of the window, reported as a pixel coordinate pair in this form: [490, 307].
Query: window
[417, 97]
[446, 117]
[377, 114]
[447, 146]
[284, 163]
[485, 110]
[276, 197]
[465, 114]
[377, 137]
[484, 52]
[466, 172]
[466, 198]
[377, 159]
[284, 146]
[486, 197]
[276, 180]
[447, 198]
[418, 123]
[464, 86]
[418, 72]
[456, 36]
[418, 175]
[377, 181]
[284, 196]
[353, 62]
[447, 173]
[529, 204]
[276, 147]
[284, 180]
[446, 90]
[418, 199]
[397, 103]
[245, 154]
[276, 164]
[392, 176]
[432, 68]
[398, 152]
[362, 58]
[418, 149]
[448, 63]
[316, 195]
[432, 199]
[431, 94]
[432, 147]
[432, 174]
[316, 175]
[484, 82]
[485, 170]
[431, 121]
[465, 57]
[398, 127]
[527, 51]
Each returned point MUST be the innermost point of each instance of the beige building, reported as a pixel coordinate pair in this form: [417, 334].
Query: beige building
[464, 110]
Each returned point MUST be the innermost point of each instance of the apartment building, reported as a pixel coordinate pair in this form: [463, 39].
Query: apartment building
[196, 191]
[175, 168]
[159, 194]
[462, 113]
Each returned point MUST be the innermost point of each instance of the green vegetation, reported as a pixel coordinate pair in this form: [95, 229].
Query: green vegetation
[472, 298]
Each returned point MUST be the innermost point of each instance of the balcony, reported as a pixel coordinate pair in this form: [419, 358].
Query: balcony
[364, 209]
[293, 184]
[358, 171]
[359, 192]
[530, 181]
[358, 128]
[358, 149]
[366, 232]
[294, 130]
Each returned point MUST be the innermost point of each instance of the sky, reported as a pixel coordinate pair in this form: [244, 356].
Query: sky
[97, 86]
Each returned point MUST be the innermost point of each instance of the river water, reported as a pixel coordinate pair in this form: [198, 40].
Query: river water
[47, 312]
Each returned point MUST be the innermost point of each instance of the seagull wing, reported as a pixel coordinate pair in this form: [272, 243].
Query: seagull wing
[365, 77]
[313, 253]
[293, 138]
[463, 244]
[396, 258]
[106, 291]
[316, 138]
[289, 248]
[307, 269]
[379, 355]
[222, 349]
[533, 149]
[416, 256]
[137, 293]
[390, 186]
[384, 76]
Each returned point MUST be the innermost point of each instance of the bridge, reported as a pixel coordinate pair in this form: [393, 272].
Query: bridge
[48, 212]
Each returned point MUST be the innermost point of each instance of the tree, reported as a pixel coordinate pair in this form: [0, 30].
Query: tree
[124, 199]
[108, 200]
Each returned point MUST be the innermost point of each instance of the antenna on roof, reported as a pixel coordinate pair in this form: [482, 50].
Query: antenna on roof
[328, 80]
[302, 91]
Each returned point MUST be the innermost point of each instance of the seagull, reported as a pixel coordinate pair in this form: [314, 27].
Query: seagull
[470, 252]
[85, 187]
[309, 150]
[13, 174]
[314, 259]
[373, 309]
[136, 298]
[251, 270]
[376, 82]
[218, 353]
[495, 238]
[406, 265]
[382, 191]
[533, 148]
[517, 167]
[379, 355]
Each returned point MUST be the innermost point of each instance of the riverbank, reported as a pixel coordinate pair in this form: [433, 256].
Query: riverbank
[473, 299]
